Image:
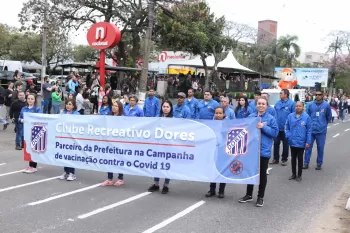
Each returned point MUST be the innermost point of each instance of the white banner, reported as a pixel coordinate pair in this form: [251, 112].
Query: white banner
[307, 77]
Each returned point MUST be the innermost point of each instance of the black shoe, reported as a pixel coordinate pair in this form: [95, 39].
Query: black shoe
[245, 199]
[5, 126]
[318, 168]
[274, 162]
[306, 166]
[299, 178]
[153, 188]
[284, 163]
[22, 146]
[260, 202]
[210, 194]
[221, 195]
[165, 189]
[18, 148]
[293, 177]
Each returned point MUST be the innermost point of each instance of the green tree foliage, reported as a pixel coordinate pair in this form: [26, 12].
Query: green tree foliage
[193, 28]
[84, 53]
[291, 50]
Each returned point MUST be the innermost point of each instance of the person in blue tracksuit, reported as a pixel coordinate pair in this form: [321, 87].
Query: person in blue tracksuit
[166, 111]
[180, 109]
[70, 108]
[132, 109]
[269, 130]
[283, 108]
[192, 103]
[229, 113]
[30, 108]
[219, 115]
[298, 133]
[270, 109]
[106, 107]
[252, 104]
[207, 107]
[243, 110]
[321, 114]
[151, 108]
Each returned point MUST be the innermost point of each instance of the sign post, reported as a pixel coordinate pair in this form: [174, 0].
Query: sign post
[103, 36]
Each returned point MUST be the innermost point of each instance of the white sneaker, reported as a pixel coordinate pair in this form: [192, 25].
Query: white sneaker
[71, 177]
[31, 170]
[63, 177]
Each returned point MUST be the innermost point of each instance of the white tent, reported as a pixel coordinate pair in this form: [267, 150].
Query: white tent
[195, 62]
[230, 62]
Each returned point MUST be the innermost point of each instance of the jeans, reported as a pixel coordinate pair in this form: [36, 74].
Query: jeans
[7, 118]
[166, 181]
[47, 104]
[276, 147]
[341, 114]
[320, 141]
[19, 133]
[2, 121]
[56, 107]
[221, 187]
[110, 176]
[264, 164]
[68, 170]
[297, 157]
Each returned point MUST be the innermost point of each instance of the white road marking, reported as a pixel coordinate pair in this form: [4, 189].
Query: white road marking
[336, 124]
[1, 164]
[347, 130]
[328, 127]
[27, 184]
[10, 173]
[113, 205]
[336, 135]
[175, 217]
[63, 195]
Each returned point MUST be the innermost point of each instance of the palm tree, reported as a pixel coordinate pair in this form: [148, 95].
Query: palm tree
[291, 50]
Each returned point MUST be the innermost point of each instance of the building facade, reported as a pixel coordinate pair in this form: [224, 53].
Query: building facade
[267, 31]
[315, 59]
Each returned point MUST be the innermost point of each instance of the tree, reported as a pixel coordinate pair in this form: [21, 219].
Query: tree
[290, 48]
[240, 32]
[343, 41]
[84, 53]
[194, 29]
[71, 15]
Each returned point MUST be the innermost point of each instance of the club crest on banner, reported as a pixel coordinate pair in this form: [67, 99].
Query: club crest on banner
[237, 142]
[38, 138]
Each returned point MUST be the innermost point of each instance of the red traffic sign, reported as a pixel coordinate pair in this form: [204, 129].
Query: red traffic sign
[103, 35]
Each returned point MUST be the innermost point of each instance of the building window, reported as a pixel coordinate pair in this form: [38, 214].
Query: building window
[321, 57]
[308, 56]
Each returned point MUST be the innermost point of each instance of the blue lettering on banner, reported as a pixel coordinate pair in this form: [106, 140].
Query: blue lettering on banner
[183, 149]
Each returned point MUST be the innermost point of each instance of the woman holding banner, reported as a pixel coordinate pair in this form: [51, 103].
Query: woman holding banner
[70, 108]
[269, 130]
[106, 107]
[117, 110]
[132, 109]
[243, 110]
[31, 108]
[166, 110]
[219, 114]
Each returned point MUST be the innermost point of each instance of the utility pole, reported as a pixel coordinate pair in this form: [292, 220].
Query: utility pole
[148, 41]
[334, 67]
[43, 50]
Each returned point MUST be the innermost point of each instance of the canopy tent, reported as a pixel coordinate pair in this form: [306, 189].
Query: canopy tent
[195, 62]
[230, 63]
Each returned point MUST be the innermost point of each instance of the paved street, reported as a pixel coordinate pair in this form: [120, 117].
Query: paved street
[40, 203]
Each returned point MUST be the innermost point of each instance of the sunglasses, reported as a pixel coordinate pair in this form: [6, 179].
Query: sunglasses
[181, 97]
[318, 94]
